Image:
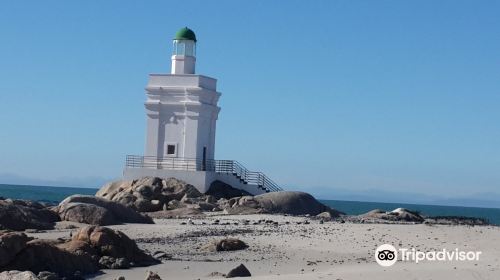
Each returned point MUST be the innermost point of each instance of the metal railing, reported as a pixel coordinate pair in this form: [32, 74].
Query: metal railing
[194, 164]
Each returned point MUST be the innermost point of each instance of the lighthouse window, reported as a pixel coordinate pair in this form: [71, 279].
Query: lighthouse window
[184, 47]
[170, 149]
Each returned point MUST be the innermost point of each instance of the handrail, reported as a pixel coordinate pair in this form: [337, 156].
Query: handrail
[195, 164]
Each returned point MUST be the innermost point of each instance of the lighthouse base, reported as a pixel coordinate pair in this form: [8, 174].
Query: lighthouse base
[200, 173]
[200, 179]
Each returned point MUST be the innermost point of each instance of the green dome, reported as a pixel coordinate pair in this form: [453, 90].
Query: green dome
[185, 34]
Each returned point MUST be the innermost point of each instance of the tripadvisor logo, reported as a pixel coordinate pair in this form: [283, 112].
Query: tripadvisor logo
[387, 255]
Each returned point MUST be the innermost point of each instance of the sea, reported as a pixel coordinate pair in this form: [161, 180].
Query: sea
[54, 195]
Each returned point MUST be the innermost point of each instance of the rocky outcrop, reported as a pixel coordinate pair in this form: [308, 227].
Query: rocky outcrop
[227, 244]
[25, 214]
[90, 249]
[11, 243]
[112, 243]
[152, 276]
[87, 213]
[45, 255]
[159, 198]
[113, 263]
[406, 215]
[239, 271]
[325, 215]
[220, 190]
[396, 215]
[18, 275]
[284, 202]
[148, 194]
[47, 275]
[292, 202]
[456, 220]
[171, 198]
[98, 211]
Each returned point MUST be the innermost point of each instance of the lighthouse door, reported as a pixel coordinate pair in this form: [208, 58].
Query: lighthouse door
[204, 159]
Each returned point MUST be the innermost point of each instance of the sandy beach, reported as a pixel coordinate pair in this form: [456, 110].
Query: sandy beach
[297, 250]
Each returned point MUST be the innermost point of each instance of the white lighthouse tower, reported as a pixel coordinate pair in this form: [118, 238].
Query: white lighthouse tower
[181, 107]
[181, 114]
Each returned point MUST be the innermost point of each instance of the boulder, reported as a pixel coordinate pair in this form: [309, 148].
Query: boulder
[176, 189]
[11, 243]
[239, 271]
[44, 255]
[91, 248]
[87, 213]
[161, 255]
[98, 211]
[210, 199]
[292, 202]
[18, 275]
[80, 248]
[146, 191]
[148, 194]
[187, 200]
[220, 190]
[227, 244]
[396, 215]
[113, 263]
[407, 215]
[23, 214]
[325, 215]
[232, 201]
[112, 243]
[146, 205]
[152, 276]
[47, 275]
[227, 203]
[248, 201]
[174, 204]
[177, 198]
[110, 190]
[125, 198]
[204, 206]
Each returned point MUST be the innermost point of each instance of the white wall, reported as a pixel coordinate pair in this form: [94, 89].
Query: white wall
[183, 64]
[181, 110]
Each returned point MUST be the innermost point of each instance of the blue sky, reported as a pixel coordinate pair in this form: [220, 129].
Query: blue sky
[354, 95]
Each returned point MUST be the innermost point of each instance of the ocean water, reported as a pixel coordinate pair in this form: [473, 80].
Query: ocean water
[57, 194]
[42, 193]
[360, 207]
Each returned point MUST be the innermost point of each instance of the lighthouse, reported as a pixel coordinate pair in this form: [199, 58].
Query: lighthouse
[181, 107]
[181, 115]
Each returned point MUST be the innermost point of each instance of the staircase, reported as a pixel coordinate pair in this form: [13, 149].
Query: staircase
[246, 176]
[230, 167]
